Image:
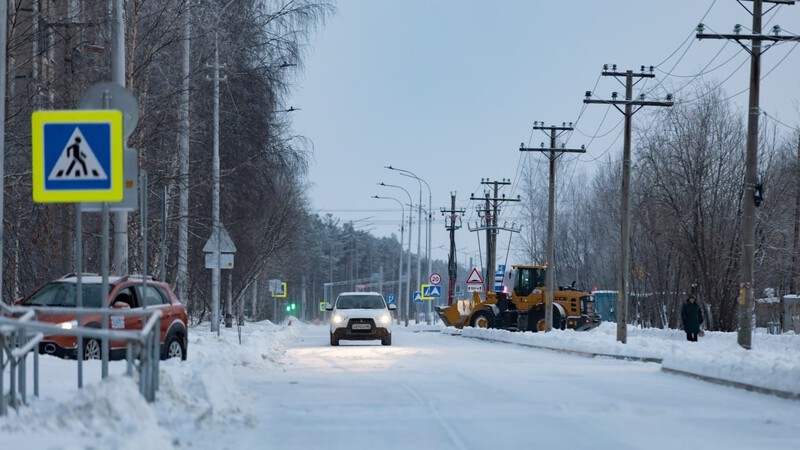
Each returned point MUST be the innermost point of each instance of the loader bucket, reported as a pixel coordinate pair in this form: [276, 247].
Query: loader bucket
[457, 314]
[448, 314]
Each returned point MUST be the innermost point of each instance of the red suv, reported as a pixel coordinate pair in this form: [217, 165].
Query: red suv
[127, 292]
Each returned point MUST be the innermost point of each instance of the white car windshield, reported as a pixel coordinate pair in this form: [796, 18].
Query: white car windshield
[360, 302]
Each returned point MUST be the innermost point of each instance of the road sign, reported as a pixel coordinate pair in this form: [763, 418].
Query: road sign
[280, 292]
[390, 298]
[220, 241]
[431, 291]
[475, 277]
[474, 287]
[77, 156]
[225, 261]
[130, 198]
[417, 297]
[435, 278]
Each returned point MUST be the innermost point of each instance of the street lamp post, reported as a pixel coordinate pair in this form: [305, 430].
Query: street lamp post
[408, 263]
[411, 174]
[400, 263]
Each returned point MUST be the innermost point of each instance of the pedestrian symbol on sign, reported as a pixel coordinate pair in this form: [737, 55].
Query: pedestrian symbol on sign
[77, 161]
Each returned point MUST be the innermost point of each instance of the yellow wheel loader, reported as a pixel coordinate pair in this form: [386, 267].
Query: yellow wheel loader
[520, 306]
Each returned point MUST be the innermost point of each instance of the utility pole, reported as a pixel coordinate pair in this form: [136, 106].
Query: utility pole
[624, 256]
[489, 223]
[752, 187]
[452, 222]
[555, 132]
[118, 77]
[796, 236]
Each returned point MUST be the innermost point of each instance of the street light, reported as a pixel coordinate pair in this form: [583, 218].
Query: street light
[411, 174]
[408, 264]
[399, 264]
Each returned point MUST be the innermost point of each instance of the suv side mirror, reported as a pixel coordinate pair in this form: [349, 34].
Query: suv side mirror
[328, 306]
[392, 306]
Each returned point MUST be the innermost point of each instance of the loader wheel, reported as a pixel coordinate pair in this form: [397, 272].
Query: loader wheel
[480, 320]
[558, 321]
[536, 321]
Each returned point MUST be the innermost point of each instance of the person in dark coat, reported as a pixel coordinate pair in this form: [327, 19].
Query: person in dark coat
[692, 317]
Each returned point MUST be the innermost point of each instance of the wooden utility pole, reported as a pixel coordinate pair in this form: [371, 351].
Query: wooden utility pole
[452, 222]
[490, 223]
[555, 132]
[752, 187]
[624, 256]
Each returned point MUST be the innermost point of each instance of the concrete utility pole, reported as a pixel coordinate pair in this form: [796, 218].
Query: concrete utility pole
[3, 68]
[118, 76]
[555, 132]
[452, 222]
[752, 187]
[624, 256]
[490, 224]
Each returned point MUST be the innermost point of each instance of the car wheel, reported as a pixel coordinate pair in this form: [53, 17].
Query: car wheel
[480, 320]
[334, 341]
[92, 349]
[387, 340]
[174, 349]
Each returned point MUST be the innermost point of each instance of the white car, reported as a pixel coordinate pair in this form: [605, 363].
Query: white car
[361, 316]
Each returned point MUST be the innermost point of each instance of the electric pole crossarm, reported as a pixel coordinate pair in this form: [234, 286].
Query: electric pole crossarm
[632, 102]
[749, 37]
[606, 73]
[561, 150]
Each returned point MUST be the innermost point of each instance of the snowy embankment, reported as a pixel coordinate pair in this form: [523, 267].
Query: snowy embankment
[196, 394]
[772, 365]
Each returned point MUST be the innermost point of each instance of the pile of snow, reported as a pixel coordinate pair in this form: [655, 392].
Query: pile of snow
[773, 362]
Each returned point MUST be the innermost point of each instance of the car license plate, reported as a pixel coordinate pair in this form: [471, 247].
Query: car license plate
[362, 326]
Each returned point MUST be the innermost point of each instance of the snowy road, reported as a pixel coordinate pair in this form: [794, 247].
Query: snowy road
[435, 391]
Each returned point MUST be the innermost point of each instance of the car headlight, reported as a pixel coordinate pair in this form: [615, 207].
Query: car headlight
[336, 319]
[68, 325]
[384, 319]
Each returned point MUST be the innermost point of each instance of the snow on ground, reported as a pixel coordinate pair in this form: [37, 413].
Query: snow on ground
[194, 394]
[773, 363]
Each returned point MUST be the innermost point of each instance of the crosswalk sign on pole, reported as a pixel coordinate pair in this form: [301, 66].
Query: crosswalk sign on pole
[77, 156]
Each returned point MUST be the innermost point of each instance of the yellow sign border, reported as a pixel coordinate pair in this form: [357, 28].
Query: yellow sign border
[283, 284]
[106, 116]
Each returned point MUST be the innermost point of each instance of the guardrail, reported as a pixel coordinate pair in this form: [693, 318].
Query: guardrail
[21, 333]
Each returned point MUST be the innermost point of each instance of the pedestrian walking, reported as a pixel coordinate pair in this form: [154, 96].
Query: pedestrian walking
[692, 317]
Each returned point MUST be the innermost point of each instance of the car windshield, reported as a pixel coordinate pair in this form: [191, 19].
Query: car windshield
[65, 294]
[360, 302]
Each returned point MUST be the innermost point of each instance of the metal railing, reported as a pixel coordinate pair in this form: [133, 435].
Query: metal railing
[21, 333]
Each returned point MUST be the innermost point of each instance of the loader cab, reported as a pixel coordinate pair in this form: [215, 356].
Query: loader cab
[526, 279]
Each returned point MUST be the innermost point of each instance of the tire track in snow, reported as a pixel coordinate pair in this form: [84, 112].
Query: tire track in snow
[451, 434]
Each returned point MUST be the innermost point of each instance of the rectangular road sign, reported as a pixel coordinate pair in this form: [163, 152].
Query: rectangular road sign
[225, 261]
[431, 291]
[77, 156]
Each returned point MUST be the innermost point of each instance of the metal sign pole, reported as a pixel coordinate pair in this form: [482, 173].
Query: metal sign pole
[79, 293]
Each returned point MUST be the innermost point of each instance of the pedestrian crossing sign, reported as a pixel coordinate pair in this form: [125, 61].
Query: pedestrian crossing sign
[77, 156]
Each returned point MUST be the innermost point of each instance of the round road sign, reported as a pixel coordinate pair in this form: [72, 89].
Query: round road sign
[435, 278]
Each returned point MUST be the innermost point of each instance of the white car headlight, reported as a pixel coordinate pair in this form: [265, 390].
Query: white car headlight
[68, 325]
[384, 319]
[336, 319]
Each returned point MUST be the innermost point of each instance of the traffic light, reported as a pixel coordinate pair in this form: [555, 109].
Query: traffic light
[291, 307]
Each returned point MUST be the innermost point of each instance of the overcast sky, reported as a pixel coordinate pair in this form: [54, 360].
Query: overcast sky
[448, 89]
